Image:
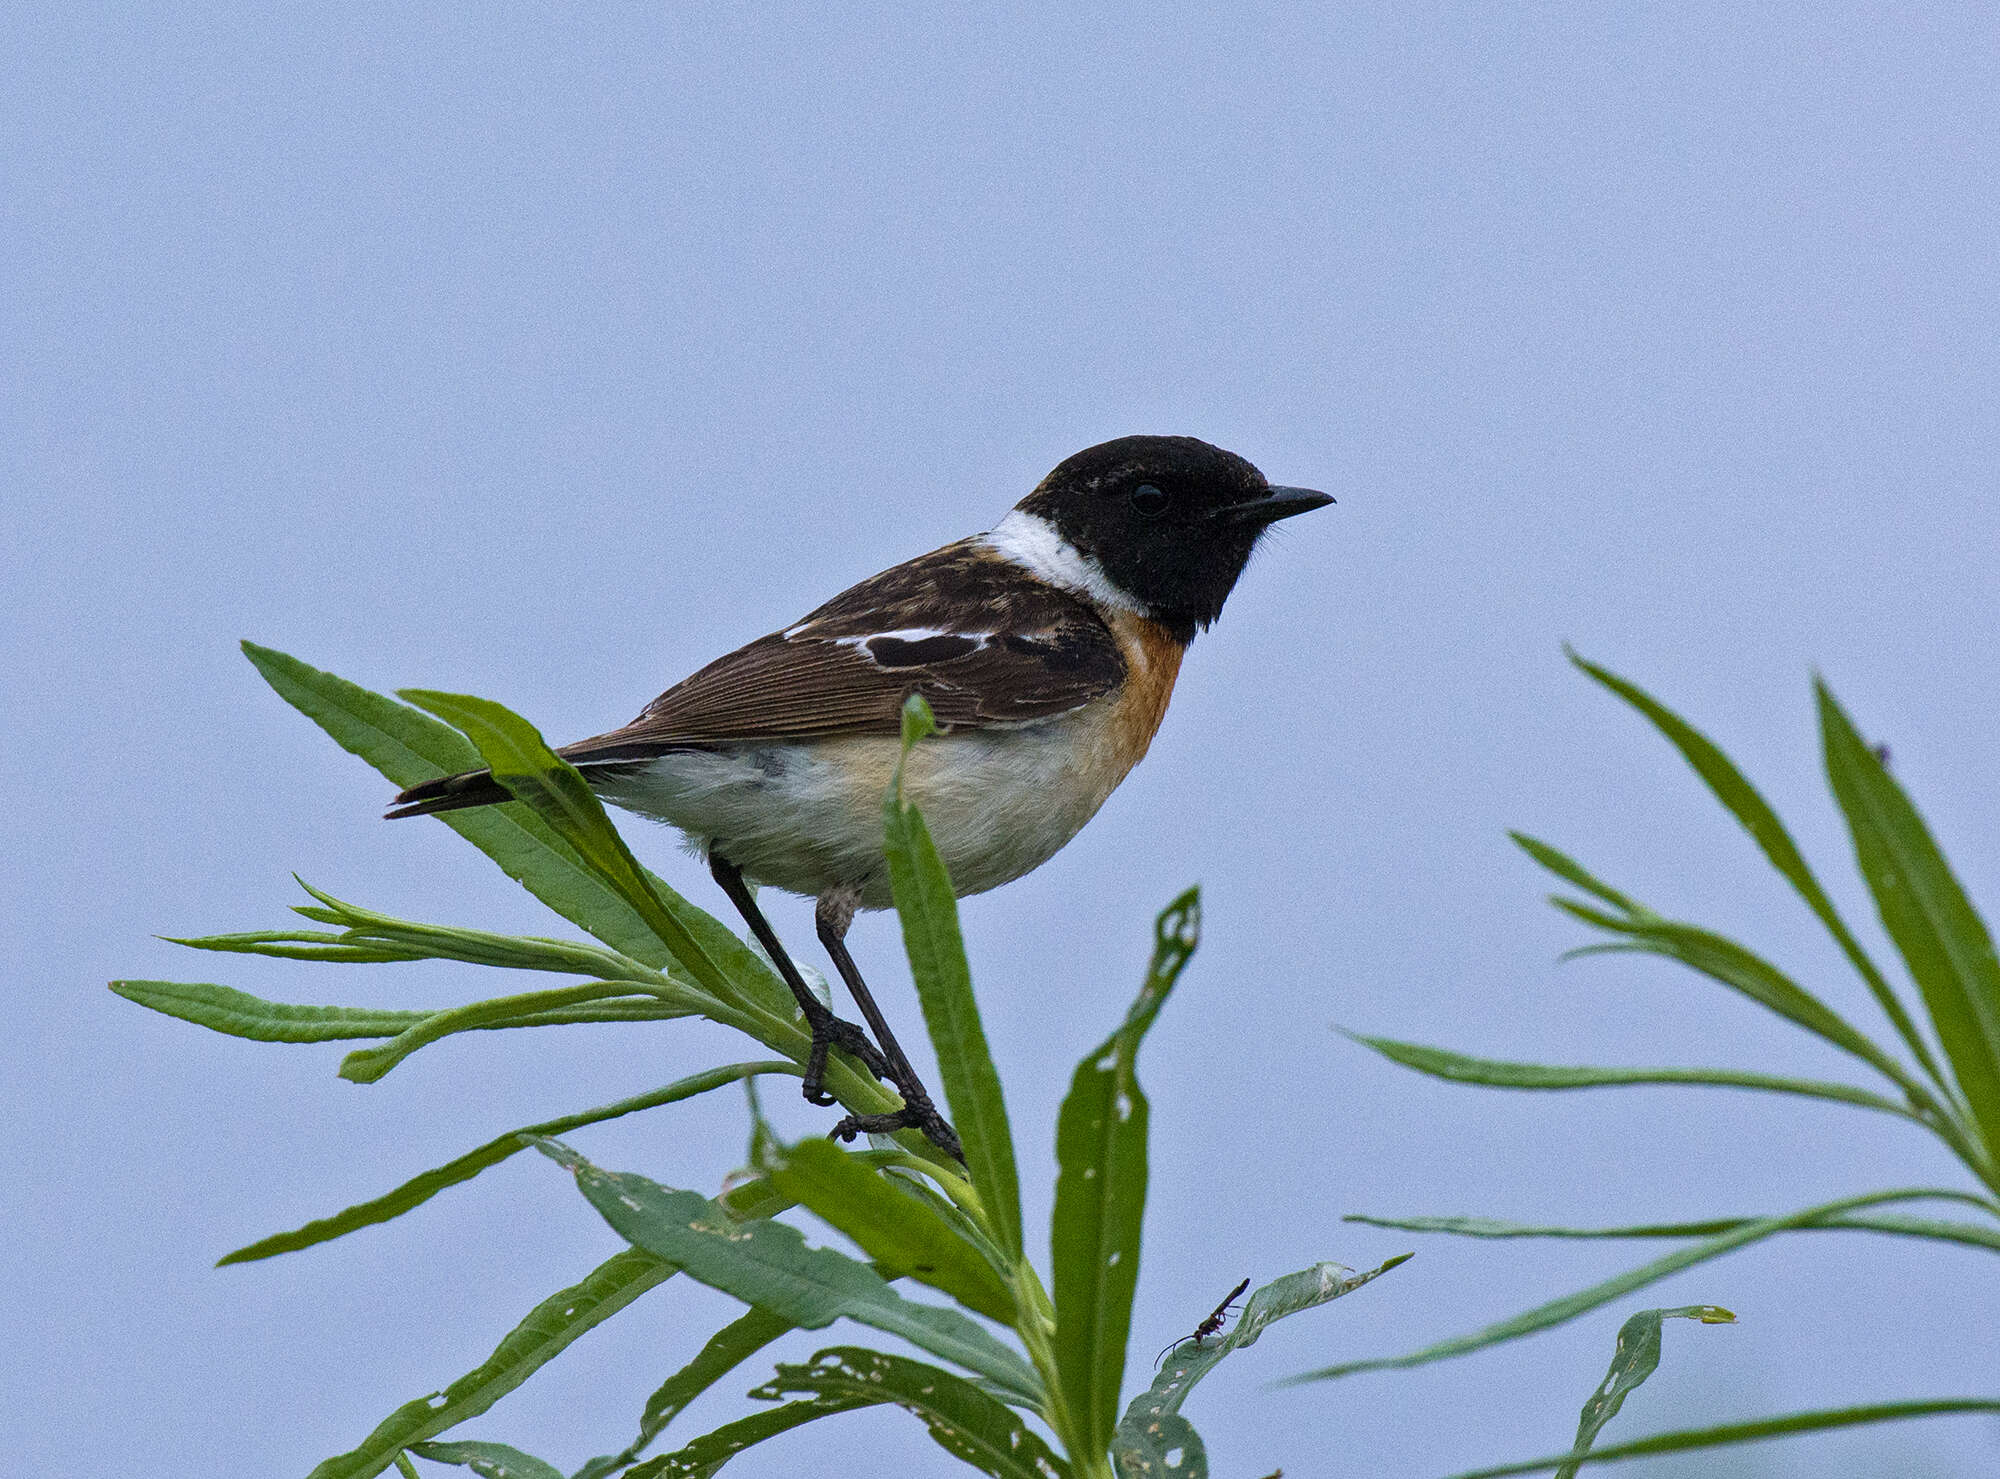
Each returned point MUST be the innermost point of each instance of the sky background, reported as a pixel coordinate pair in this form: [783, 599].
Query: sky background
[545, 352]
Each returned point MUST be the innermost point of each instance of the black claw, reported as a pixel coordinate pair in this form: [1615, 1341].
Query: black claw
[829, 1031]
[917, 1114]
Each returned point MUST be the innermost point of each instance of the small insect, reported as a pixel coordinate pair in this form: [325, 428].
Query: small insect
[1211, 1326]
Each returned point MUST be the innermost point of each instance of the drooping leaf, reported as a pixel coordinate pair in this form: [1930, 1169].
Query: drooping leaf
[892, 1224]
[1724, 1434]
[928, 910]
[967, 1424]
[420, 1189]
[547, 1330]
[705, 1456]
[769, 1265]
[1636, 1357]
[489, 1460]
[1733, 789]
[1938, 933]
[239, 1014]
[1557, 1311]
[1101, 1193]
[1152, 1429]
[366, 1065]
[727, 1349]
[1464, 1069]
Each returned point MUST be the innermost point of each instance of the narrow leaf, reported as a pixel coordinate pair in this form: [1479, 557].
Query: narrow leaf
[302, 945]
[1461, 1068]
[1101, 1193]
[928, 910]
[967, 1424]
[489, 1460]
[239, 1014]
[1635, 1358]
[366, 1065]
[1557, 1311]
[524, 764]
[727, 1349]
[893, 1226]
[1571, 871]
[420, 1189]
[547, 1330]
[1148, 1433]
[705, 1457]
[1970, 1234]
[1939, 934]
[769, 1265]
[1733, 789]
[408, 746]
[1750, 1432]
[1721, 959]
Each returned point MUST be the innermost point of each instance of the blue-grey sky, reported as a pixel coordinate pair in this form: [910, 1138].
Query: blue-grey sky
[546, 352]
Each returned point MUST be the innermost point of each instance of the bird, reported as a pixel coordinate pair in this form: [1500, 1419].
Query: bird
[1047, 648]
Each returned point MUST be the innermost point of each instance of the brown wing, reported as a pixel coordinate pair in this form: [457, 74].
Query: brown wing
[982, 640]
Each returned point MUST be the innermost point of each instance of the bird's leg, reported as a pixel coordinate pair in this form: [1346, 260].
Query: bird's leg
[833, 914]
[828, 1031]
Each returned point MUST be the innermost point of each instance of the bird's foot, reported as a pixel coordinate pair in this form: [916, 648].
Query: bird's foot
[917, 1113]
[829, 1031]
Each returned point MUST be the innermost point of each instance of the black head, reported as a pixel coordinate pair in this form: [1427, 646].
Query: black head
[1170, 521]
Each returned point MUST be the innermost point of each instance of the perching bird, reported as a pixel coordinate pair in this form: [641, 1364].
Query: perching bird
[1047, 648]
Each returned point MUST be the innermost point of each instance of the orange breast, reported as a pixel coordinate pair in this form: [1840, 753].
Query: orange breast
[1152, 662]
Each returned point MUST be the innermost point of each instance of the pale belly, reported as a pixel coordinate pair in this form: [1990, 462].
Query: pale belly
[807, 816]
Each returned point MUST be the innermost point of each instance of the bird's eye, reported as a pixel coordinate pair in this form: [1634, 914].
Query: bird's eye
[1150, 501]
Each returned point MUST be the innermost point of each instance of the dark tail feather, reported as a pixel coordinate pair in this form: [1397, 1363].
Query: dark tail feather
[449, 793]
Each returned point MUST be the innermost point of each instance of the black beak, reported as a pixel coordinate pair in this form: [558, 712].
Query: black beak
[1277, 503]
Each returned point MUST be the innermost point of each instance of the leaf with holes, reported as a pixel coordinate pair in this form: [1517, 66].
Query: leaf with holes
[1101, 1193]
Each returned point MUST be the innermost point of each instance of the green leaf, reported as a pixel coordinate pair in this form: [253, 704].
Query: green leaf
[408, 746]
[1970, 1234]
[1460, 1068]
[1557, 1311]
[533, 773]
[225, 1009]
[768, 1264]
[707, 1454]
[1152, 1428]
[1571, 871]
[727, 1349]
[1723, 960]
[1101, 1193]
[1733, 789]
[967, 1424]
[489, 1460]
[1751, 1432]
[1635, 1358]
[366, 1065]
[302, 945]
[928, 909]
[239, 1014]
[481, 947]
[1940, 936]
[547, 1330]
[894, 1227]
[420, 1189]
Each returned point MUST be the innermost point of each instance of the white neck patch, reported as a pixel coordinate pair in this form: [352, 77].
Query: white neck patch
[1031, 542]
